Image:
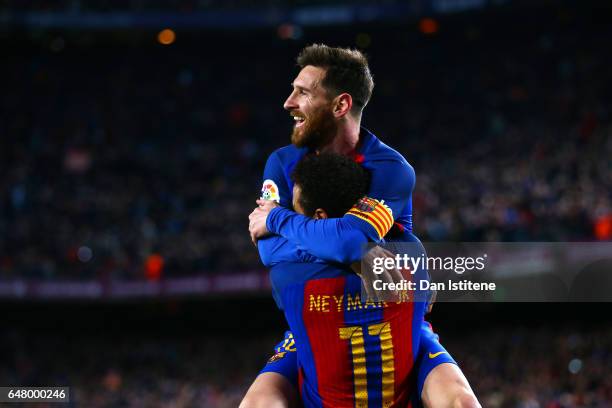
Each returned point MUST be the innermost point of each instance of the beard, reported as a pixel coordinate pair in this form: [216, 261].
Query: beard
[318, 129]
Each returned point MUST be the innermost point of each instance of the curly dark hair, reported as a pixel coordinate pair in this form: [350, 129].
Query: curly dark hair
[330, 181]
[346, 70]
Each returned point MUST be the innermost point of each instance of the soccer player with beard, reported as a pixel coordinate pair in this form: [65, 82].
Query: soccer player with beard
[327, 100]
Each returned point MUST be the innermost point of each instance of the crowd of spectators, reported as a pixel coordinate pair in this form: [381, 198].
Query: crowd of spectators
[518, 368]
[114, 151]
[72, 6]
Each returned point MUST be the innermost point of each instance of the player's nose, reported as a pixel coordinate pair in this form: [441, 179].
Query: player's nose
[290, 103]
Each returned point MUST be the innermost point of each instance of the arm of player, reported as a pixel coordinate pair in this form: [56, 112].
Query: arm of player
[342, 239]
[338, 239]
[274, 249]
[440, 381]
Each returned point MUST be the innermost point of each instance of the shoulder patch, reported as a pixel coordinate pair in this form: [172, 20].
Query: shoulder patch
[269, 191]
[374, 212]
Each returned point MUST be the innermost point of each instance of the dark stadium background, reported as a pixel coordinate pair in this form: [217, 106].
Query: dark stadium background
[128, 169]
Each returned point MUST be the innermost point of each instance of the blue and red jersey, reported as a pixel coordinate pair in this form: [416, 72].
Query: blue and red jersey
[430, 354]
[341, 239]
[350, 352]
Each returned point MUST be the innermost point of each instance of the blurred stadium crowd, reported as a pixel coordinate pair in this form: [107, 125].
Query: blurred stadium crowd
[124, 161]
[159, 5]
[518, 368]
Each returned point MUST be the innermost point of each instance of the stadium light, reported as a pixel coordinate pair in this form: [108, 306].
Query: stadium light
[166, 36]
[428, 26]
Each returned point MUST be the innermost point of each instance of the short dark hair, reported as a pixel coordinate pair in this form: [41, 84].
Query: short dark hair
[330, 181]
[346, 70]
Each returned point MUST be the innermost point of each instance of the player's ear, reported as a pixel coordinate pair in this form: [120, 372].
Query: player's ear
[342, 104]
[320, 214]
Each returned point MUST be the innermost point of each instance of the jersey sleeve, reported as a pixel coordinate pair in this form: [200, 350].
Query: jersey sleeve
[337, 240]
[275, 187]
[342, 239]
[431, 354]
[284, 360]
[276, 249]
[393, 183]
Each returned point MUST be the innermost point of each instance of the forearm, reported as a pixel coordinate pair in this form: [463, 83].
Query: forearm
[335, 240]
[275, 249]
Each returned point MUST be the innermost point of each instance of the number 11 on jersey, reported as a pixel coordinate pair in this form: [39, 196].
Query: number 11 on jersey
[355, 334]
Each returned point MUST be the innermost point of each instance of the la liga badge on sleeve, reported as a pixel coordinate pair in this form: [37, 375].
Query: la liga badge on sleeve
[269, 191]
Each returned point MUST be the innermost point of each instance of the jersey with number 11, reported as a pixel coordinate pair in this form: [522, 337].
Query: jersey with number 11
[351, 352]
